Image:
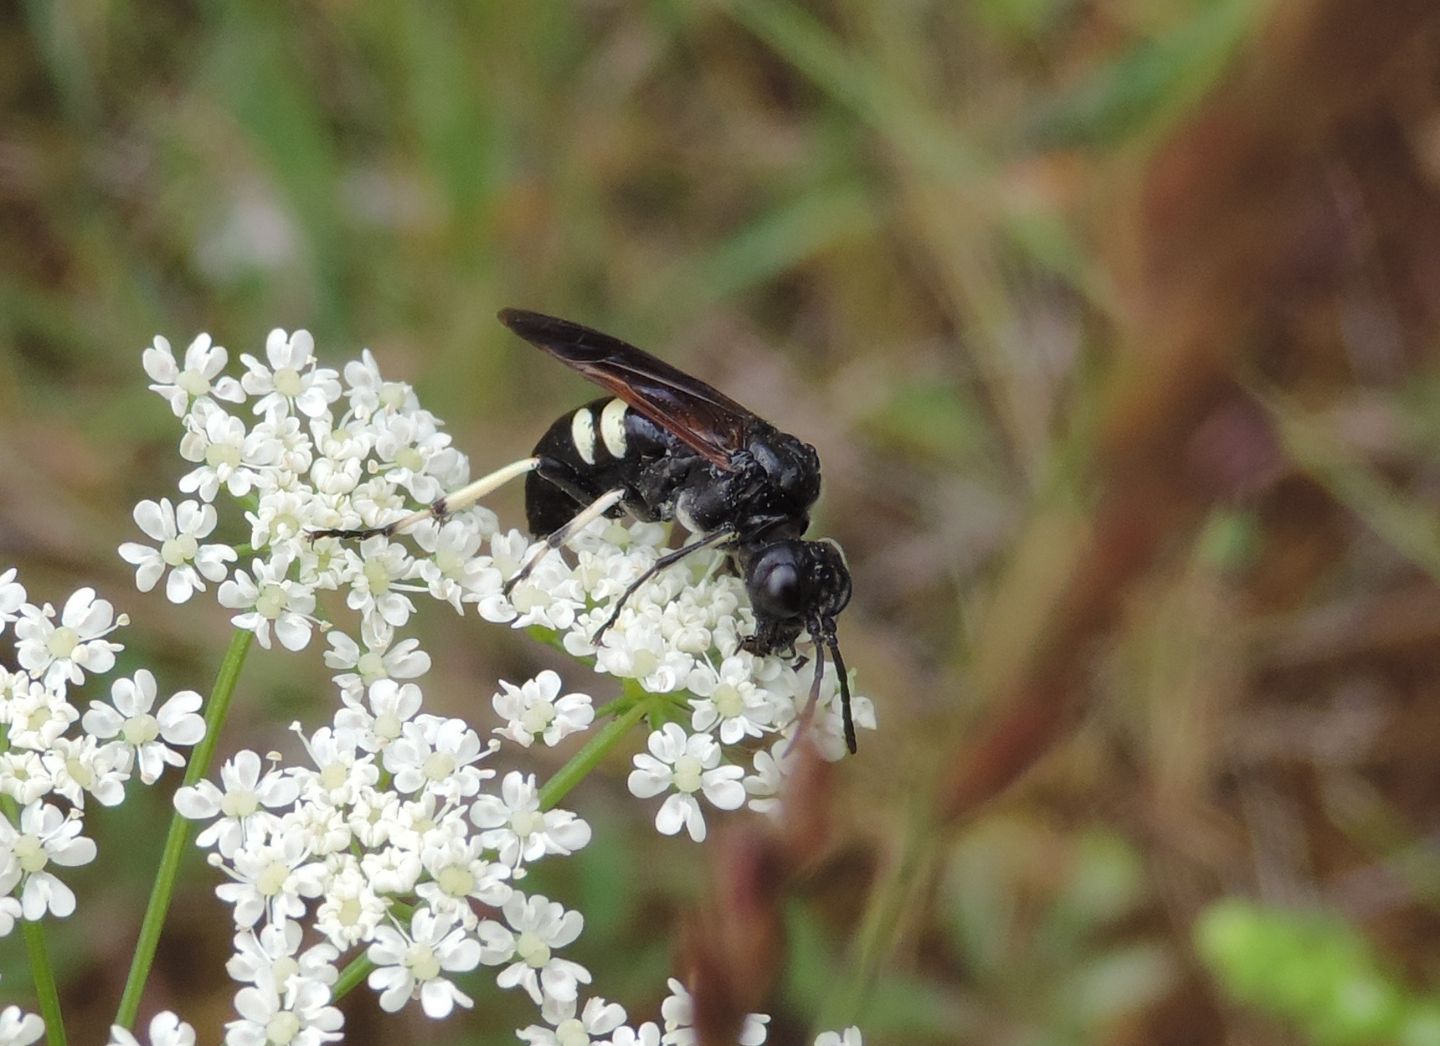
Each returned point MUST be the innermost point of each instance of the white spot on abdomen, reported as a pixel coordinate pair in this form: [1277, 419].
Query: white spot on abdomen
[612, 427]
[582, 434]
[682, 515]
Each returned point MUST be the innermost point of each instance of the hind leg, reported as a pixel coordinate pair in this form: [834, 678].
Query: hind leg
[593, 511]
[442, 507]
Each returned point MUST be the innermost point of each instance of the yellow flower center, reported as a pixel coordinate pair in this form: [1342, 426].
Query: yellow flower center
[287, 382]
[420, 958]
[687, 773]
[532, 950]
[63, 642]
[240, 803]
[31, 853]
[140, 729]
[456, 880]
[178, 550]
[282, 1028]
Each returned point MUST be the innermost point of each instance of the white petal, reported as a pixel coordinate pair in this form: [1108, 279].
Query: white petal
[74, 853]
[673, 814]
[102, 721]
[189, 729]
[179, 586]
[646, 783]
[726, 793]
[197, 803]
[293, 631]
[435, 999]
[152, 520]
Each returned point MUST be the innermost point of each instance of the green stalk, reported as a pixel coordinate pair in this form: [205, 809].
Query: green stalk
[594, 750]
[175, 840]
[44, 977]
[355, 971]
[41, 972]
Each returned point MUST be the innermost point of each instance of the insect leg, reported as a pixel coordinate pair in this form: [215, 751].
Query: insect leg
[442, 507]
[803, 721]
[660, 564]
[834, 645]
[597, 508]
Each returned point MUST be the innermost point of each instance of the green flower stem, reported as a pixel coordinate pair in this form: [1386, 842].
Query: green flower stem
[355, 971]
[595, 749]
[41, 972]
[175, 840]
[44, 978]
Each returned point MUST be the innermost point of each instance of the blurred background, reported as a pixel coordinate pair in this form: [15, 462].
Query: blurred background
[1114, 322]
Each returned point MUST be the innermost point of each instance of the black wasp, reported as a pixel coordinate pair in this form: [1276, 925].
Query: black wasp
[664, 446]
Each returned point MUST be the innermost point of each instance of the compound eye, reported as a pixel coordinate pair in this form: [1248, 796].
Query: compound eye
[776, 588]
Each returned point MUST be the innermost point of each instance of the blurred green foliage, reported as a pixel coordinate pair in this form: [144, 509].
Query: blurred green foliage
[1313, 970]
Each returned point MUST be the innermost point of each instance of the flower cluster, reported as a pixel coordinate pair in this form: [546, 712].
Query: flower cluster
[56, 761]
[389, 837]
[314, 450]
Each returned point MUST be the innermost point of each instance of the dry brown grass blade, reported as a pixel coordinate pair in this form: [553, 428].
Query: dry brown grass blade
[733, 948]
[1222, 218]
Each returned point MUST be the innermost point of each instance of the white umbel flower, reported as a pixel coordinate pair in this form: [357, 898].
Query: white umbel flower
[377, 574]
[271, 598]
[730, 704]
[342, 771]
[688, 764]
[369, 392]
[536, 709]
[199, 378]
[36, 715]
[271, 879]
[244, 798]
[82, 765]
[382, 658]
[592, 1025]
[225, 455]
[144, 738]
[452, 567]
[526, 948]
[392, 705]
[178, 530]
[300, 1015]
[458, 872]
[350, 910]
[166, 1029]
[438, 755]
[273, 955]
[411, 965]
[18, 1028]
[23, 776]
[45, 837]
[292, 379]
[678, 1011]
[62, 653]
[12, 596]
[513, 824]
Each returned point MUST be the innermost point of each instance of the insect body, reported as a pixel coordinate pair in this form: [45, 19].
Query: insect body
[668, 446]
[665, 446]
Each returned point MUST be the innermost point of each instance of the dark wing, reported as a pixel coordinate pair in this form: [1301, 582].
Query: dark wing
[708, 421]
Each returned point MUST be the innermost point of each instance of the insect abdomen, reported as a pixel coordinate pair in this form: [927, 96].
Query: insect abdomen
[596, 448]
